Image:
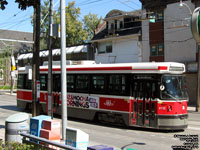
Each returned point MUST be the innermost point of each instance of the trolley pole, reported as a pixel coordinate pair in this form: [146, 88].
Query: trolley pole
[50, 105]
[63, 69]
[35, 63]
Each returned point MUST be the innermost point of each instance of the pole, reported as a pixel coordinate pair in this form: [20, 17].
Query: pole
[50, 105]
[35, 63]
[12, 78]
[198, 82]
[63, 69]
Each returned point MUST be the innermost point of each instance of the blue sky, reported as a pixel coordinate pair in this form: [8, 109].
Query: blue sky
[13, 18]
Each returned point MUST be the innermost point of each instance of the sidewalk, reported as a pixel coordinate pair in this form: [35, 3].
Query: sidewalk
[193, 118]
[191, 108]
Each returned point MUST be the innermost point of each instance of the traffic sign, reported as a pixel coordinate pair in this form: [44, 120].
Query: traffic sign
[195, 24]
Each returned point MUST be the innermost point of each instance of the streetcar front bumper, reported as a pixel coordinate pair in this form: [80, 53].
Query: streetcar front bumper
[172, 122]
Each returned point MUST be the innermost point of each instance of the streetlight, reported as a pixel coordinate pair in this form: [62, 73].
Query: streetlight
[196, 35]
[184, 4]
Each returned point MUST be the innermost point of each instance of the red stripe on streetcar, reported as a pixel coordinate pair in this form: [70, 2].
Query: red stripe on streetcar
[105, 69]
[99, 68]
[162, 68]
[91, 69]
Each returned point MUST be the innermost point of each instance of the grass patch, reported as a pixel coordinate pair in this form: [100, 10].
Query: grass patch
[6, 87]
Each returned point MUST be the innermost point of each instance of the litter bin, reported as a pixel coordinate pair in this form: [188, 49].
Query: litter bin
[14, 125]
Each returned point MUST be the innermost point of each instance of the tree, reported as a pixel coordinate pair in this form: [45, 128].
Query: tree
[77, 32]
[23, 4]
[5, 55]
[74, 28]
[91, 22]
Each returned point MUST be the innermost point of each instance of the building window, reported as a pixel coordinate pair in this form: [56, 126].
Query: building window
[157, 50]
[105, 47]
[156, 17]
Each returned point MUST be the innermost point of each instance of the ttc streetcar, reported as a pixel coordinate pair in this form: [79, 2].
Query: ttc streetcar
[151, 95]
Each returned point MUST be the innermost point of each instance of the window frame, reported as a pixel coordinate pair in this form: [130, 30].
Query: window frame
[157, 49]
[112, 86]
[97, 90]
[82, 90]
[23, 81]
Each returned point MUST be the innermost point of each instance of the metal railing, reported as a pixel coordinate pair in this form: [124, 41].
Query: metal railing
[44, 141]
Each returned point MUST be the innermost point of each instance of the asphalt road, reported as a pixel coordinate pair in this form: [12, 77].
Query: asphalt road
[117, 137]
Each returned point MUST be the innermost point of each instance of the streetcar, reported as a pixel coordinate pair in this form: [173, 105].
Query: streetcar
[150, 95]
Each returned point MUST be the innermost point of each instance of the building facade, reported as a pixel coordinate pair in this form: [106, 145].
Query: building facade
[12, 43]
[119, 39]
[166, 36]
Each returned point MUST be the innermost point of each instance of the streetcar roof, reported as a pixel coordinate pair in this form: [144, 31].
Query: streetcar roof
[143, 67]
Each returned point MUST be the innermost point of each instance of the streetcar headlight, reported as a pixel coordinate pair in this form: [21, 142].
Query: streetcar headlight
[183, 107]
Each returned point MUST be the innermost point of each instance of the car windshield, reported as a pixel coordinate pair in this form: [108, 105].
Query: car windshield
[173, 87]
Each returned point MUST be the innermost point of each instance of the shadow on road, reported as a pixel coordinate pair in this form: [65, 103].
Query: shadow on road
[97, 123]
[131, 144]
[11, 107]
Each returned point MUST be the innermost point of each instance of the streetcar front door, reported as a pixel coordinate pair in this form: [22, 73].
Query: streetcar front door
[143, 92]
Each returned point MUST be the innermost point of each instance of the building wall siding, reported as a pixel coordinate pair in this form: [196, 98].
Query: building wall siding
[123, 51]
[179, 43]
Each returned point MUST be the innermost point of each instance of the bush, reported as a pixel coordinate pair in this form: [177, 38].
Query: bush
[15, 146]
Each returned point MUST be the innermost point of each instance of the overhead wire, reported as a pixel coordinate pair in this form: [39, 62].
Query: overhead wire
[126, 5]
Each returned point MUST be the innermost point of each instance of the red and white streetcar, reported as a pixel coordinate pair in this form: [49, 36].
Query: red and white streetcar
[149, 95]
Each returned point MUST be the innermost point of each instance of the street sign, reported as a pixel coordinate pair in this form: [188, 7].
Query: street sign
[195, 24]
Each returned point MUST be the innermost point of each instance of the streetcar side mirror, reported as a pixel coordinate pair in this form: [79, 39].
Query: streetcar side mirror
[162, 87]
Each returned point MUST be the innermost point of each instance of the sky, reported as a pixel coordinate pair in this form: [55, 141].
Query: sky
[15, 19]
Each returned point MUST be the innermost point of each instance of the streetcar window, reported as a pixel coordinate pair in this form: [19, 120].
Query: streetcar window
[20, 81]
[82, 83]
[98, 83]
[28, 83]
[153, 107]
[70, 83]
[56, 83]
[140, 108]
[117, 85]
[147, 106]
[135, 89]
[135, 107]
[140, 90]
[43, 82]
[173, 87]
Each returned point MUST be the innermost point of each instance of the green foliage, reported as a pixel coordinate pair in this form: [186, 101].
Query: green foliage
[3, 3]
[74, 28]
[91, 22]
[23, 4]
[15, 146]
[77, 31]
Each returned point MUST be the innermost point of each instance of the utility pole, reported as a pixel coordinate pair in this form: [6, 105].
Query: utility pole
[35, 63]
[63, 69]
[50, 81]
[12, 73]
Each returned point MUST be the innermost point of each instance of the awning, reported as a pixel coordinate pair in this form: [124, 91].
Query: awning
[69, 50]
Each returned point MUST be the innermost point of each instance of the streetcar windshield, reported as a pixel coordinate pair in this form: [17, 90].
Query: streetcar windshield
[173, 87]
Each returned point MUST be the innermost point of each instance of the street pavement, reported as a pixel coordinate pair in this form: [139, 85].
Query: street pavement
[9, 108]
